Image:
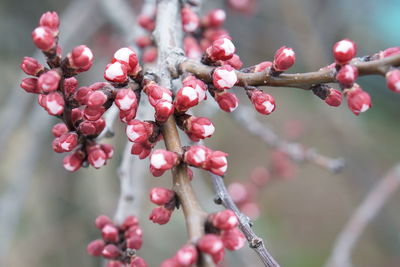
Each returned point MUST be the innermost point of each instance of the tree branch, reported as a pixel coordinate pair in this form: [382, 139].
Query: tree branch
[245, 116]
[255, 242]
[298, 80]
[368, 209]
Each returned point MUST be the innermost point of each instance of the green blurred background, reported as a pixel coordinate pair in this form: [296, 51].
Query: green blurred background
[47, 213]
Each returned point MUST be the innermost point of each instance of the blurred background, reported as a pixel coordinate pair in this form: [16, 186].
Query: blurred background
[47, 214]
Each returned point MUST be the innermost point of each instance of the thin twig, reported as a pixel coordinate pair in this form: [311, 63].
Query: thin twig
[255, 242]
[246, 117]
[368, 209]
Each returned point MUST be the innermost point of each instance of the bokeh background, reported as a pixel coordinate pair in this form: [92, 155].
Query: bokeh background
[47, 214]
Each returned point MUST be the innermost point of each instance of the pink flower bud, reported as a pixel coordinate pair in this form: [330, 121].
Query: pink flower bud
[262, 66]
[134, 242]
[93, 113]
[186, 98]
[235, 62]
[187, 255]
[173, 262]
[210, 244]
[138, 262]
[48, 82]
[81, 58]
[218, 257]
[133, 231]
[233, 239]
[192, 48]
[264, 103]
[54, 103]
[142, 149]
[224, 77]
[30, 85]
[128, 57]
[139, 131]
[238, 192]
[243, 6]
[334, 98]
[110, 233]
[50, 20]
[127, 115]
[190, 20]
[163, 160]
[70, 85]
[143, 41]
[102, 220]
[214, 34]
[129, 221]
[96, 99]
[82, 94]
[284, 59]
[43, 38]
[347, 75]
[390, 51]
[164, 110]
[221, 49]
[111, 252]
[393, 80]
[76, 115]
[73, 162]
[260, 176]
[68, 141]
[199, 86]
[126, 99]
[358, 100]
[225, 220]
[97, 157]
[214, 18]
[160, 215]
[95, 247]
[31, 66]
[150, 54]
[217, 163]
[109, 150]
[161, 196]
[199, 128]
[157, 93]
[59, 129]
[251, 210]
[116, 72]
[344, 51]
[197, 156]
[146, 22]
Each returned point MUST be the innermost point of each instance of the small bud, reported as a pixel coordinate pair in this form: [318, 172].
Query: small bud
[109, 150]
[68, 141]
[173, 262]
[96, 99]
[358, 100]
[138, 262]
[81, 58]
[262, 66]
[102, 220]
[187, 255]
[59, 129]
[225, 220]
[224, 77]
[43, 38]
[264, 103]
[235, 62]
[210, 244]
[73, 162]
[31, 66]
[221, 49]
[111, 252]
[128, 57]
[199, 86]
[70, 85]
[110, 233]
[142, 149]
[134, 242]
[130, 221]
[143, 41]
[82, 94]
[393, 80]
[146, 22]
[54, 103]
[186, 98]
[233, 239]
[93, 113]
[344, 51]
[97, 157]
[161, 196]
[199, 128]
[126, 99]
[284, 59]
[95, 247]
[50, 20]
[390, 51]
[215, 18]
[197, 155]
[334, 98]
[157, 93]
[116, 72]
[347, 75]
[164, 110]
[217, 163]
[139, 131]
[30, 85]
[150, 54]
[190, 20]
[48, 82]
[192, 48]
[160, 215]
[163, 160]
[238, 192]
[127, 115]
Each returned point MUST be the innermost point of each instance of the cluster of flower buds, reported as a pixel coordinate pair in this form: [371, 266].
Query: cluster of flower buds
[203, 157]
[119, 243]
[166, 200]
[81, 109]
[222, 232]
[144, 135]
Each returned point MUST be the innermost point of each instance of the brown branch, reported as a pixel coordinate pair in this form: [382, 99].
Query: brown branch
[167, 38]
[245, 116]
[368, 209]
[255, 242]
[298, 80]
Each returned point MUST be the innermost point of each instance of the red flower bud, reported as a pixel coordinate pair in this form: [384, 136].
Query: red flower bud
[31, 66]
[199, 86]
[190, 20]
[210, 244]
[334, 98]
[93, 113]
[164, 110]
[233, 239]
[238, 192]
[54, 103]
[81, 58]
[157, 93]
[129, 221]
[160, 215]
[97, 157]
[142, 149]
[114, 264]
[96, 99]
[95, 247]
[192, 48]
[347, 75]
[221, 49]
[390, 51]
[50, 20]
[111, 252]
[264, 103]
[68, 141]
[262, 66]
[48, 82]
[43, 38]
[224, 77]
[150, 54]
[127, 115]
[214, 18]
[139, 131]
[30, 85]
[163, 160]
[197, 156]
[143, 41]
[225, 220]
[59, 129]
[82, 94]
[128, 57]
[358, 100]
[109, 150]
[110, 233]
[70, 85]
[138, 262]
[173, 262]
[126, 99]
[199, 128]
[217, 162]
[235, 62]
[161, 196]
[186, 98]
[73, 162]
[102, 220]
[344, 51]
[134, 242]
[146, 22]
[187, 255]
[116, 72]
[393, 80]
[284, 59]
